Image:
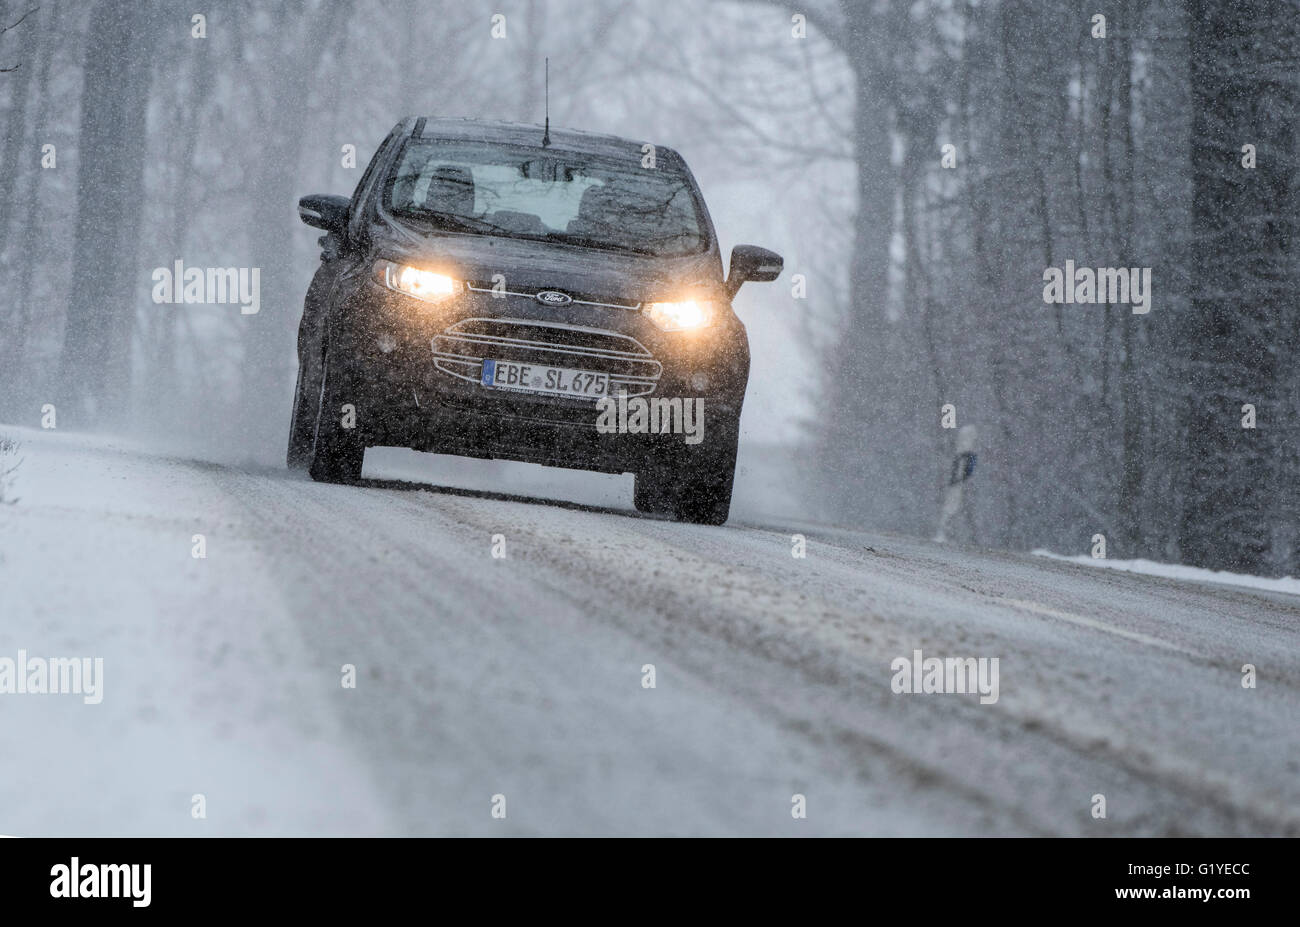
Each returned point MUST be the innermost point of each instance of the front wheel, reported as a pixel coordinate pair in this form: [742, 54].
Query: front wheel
[693, 485]
[337, 450]
[302, 423]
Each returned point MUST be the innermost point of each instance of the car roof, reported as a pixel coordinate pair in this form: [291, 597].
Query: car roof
[519, 133]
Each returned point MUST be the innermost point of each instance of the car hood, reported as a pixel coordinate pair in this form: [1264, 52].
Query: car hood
[531, 265]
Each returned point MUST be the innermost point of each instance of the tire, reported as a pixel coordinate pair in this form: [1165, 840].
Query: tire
[692, 486]
[302, 423]
[337, 452]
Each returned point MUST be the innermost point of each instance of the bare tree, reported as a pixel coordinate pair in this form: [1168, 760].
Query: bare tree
[94, 369]
[14, 25]
[1240, 338]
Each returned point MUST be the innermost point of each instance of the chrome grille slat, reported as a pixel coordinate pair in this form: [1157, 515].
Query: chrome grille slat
[630, 365]
[546, 346]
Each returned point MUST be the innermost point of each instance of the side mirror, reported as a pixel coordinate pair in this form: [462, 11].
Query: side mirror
[325, 211]
[750, 262]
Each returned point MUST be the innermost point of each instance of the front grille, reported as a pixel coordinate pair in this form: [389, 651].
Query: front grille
[460, 351]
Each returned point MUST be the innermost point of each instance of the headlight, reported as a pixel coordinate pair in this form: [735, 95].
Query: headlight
[684, 316]
[422, 284]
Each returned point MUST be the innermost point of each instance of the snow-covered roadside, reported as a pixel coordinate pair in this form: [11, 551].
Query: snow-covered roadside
[523, 674]
[1178, 571]
[96, 561]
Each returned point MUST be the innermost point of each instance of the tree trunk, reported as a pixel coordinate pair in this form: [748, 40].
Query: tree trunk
[270, 335]
[94, 370]
[1133, 466]
[15, 367]
[18, 50]
[1243, 277]
[854, 433]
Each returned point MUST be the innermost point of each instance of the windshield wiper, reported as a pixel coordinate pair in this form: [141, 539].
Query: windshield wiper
[462, 223]
[602, 244]
[450, 220]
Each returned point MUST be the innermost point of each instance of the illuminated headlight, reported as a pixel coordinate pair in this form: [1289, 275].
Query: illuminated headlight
[422, 284]
[684, 316]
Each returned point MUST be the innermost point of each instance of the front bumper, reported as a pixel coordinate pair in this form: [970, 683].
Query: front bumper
[412, 372]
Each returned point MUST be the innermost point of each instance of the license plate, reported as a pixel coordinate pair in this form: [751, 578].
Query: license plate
[537, 378]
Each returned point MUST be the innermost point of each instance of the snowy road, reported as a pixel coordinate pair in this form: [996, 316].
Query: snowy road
[522, 675]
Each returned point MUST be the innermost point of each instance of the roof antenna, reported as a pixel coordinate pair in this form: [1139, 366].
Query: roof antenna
[546, 133]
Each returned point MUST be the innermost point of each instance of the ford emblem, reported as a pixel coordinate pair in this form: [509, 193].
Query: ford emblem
[554, 298]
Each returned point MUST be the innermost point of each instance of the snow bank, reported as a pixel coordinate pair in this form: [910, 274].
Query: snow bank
[1178, 571]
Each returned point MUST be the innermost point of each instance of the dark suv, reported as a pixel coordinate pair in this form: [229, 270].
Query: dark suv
[506, 291]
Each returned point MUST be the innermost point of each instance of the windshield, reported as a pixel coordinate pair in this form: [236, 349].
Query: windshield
[545, 195]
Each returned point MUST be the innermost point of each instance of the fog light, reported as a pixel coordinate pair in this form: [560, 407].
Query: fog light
[386, 342]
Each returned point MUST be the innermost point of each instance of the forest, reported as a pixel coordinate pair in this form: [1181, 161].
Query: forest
[927, 168]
